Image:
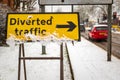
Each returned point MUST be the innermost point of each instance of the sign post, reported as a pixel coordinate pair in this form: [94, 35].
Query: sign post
[109, 45]
[43, 46]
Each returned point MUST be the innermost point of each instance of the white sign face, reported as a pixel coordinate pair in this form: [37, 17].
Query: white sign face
[75, 2]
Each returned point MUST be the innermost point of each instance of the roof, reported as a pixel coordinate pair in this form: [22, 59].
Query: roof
[100, 25]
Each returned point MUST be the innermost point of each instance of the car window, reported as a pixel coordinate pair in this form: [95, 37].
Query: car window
[101, 28]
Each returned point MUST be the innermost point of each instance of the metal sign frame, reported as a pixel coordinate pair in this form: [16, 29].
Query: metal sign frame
[109, 45]
[23, 58]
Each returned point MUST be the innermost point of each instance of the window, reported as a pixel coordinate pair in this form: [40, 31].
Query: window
[101, 28]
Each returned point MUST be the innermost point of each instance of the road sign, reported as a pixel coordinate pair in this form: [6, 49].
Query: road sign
[41, 25]
[74, 2]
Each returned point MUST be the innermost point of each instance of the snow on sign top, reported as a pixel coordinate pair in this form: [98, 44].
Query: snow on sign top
[40, 26]
[75, 2]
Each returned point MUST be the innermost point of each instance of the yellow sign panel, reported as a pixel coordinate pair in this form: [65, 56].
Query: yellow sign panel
[20, 25]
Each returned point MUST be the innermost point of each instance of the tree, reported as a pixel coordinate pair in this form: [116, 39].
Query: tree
[116, 5]
[90, 11]
[97, 11]
[84, 12]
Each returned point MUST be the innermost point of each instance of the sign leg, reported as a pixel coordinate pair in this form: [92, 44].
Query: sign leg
[61, 63]
[43, 49]
[24, 63]
[19, 62]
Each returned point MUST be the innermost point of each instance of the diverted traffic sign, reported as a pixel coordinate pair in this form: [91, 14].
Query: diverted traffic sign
[74, 2]
[42, 25]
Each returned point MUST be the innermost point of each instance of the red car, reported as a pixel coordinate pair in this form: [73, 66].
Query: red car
[98, 32]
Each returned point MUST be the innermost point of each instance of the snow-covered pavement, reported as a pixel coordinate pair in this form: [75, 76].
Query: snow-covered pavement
[36, 69]
[89, 62]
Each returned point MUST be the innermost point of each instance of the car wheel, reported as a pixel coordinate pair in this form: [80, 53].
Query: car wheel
[89, 37]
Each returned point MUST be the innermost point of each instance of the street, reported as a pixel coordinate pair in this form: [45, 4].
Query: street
[103, 44]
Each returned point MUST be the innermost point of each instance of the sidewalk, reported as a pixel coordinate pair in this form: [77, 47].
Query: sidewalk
[89, 62]
[36, 69]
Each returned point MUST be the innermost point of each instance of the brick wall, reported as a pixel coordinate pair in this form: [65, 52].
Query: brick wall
[10, 3]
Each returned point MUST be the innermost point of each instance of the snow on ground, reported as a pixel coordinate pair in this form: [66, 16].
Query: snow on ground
[89, 62]
[116, 32]
[36, 69]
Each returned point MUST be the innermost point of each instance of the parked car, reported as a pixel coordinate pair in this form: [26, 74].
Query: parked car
[98, 32]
